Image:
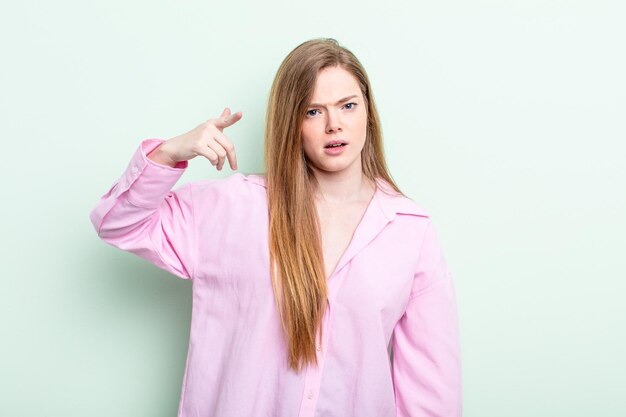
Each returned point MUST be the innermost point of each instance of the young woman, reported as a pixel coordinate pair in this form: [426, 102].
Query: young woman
[319, 289]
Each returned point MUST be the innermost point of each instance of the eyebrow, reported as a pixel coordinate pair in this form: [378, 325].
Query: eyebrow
[339, 102]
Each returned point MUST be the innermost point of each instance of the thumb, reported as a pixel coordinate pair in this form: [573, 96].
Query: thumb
[227, 119]
[222, 120]
[225, 112]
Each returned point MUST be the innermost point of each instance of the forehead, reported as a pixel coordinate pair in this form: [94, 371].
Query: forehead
[333, 83]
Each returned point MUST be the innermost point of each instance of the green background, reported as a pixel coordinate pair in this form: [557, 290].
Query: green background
[505, 120]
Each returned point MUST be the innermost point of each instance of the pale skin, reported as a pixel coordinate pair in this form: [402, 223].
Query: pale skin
[344, 192]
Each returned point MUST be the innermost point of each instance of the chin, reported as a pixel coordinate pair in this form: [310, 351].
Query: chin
[337, 166]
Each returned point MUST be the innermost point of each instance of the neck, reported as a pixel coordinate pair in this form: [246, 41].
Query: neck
[343, 187]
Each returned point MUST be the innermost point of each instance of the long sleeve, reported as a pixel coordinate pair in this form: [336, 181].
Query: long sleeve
[426, 346]
[141, 213]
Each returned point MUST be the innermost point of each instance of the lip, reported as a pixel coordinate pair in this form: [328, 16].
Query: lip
[335, 150]
[332, 142]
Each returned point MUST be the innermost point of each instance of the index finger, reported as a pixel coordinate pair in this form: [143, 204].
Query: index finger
[228, 120]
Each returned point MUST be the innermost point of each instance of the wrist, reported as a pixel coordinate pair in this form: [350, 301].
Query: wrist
[161, 157]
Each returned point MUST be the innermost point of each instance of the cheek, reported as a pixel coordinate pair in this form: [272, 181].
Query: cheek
[307, 130]
[305, 141]
[361, 122]
[311, 131]
[308, 137]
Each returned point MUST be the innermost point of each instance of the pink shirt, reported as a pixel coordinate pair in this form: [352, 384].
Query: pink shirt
[391, 342]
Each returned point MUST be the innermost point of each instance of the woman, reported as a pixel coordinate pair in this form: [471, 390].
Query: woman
[356, 315]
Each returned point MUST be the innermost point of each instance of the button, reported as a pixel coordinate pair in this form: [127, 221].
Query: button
[319, 347]
[310, 394]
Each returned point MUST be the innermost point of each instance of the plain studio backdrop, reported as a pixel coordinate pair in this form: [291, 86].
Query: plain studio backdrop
[504, 119]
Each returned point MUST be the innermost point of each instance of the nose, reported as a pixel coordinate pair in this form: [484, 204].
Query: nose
[333, 122]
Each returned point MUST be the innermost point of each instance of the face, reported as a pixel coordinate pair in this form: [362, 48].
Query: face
[336, 113]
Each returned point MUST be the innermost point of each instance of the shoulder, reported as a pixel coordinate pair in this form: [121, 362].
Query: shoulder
[406, 205]
[394, 204]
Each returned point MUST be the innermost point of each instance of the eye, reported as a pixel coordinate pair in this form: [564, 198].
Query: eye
[352, 105]
[309, 113]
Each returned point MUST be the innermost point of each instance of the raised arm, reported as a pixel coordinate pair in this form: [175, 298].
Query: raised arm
[141, 213]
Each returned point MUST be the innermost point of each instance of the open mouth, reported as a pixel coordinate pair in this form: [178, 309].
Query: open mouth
[335, 145]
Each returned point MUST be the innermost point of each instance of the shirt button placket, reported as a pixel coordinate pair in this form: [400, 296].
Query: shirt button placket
[311, 385]
[312, 381]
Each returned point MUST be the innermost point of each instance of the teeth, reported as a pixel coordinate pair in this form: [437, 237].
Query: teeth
[335, 145]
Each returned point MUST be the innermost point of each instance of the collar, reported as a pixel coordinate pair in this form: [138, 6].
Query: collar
[390, 203]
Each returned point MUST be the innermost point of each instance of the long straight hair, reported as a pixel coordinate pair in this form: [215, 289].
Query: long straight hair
[296, 258]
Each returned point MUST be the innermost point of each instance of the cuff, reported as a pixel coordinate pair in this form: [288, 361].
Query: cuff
[146, 181]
